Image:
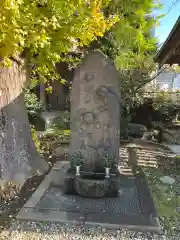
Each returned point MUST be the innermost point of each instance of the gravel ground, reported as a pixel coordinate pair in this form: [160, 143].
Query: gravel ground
[55, 231]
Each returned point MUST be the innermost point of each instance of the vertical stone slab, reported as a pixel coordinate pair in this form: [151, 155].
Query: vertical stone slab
[95, 110]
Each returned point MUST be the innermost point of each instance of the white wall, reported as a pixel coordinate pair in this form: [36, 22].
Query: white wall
[168, 81]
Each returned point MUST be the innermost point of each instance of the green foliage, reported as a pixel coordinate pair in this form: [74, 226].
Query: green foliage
[166, 199]
[61, 122]
[63, 135]
[131, 45]
[163, 103]
[161, 98]
[59, 127]
[34, 107]
[45, 31]
[130, 42]
[168, 111]
[77, 159]
[35, 139]
[108, 159]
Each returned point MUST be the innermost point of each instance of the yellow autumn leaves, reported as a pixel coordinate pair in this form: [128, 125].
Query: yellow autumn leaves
[48, 27]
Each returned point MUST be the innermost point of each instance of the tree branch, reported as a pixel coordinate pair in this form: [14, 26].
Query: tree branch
[150, 79]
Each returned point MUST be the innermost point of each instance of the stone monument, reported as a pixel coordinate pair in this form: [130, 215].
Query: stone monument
[95, 128]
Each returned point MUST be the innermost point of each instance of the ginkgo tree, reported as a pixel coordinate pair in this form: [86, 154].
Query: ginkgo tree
[34, 36]
[37, 33]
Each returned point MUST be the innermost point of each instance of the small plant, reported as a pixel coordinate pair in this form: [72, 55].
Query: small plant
[35, 139]
[109, 159]
[77, 159]
[34, 107]
[61, 122]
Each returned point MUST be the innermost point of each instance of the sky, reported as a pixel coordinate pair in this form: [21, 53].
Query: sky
[167, 22]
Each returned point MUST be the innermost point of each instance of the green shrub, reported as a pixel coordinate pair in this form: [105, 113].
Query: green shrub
[34, 107]
[164, 104]
[168, 111]
[160, 99]
[59, 127]
[61, 122]
[63, 135]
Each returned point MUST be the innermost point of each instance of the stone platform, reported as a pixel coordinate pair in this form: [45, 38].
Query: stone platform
[132, 209]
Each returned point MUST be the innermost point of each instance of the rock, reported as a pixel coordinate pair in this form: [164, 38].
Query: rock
[59, 151]
[136, 130]
[48, 117]
[178, 209]
[175, 148]
[167, 180]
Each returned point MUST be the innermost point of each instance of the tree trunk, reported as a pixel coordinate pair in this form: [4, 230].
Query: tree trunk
[19, 158]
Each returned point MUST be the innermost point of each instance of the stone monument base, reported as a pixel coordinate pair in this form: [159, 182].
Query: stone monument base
[91, 185]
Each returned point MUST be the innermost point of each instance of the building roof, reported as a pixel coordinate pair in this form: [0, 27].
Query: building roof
[170, 51]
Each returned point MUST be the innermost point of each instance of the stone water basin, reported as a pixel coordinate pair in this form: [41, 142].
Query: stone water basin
[96, 186]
